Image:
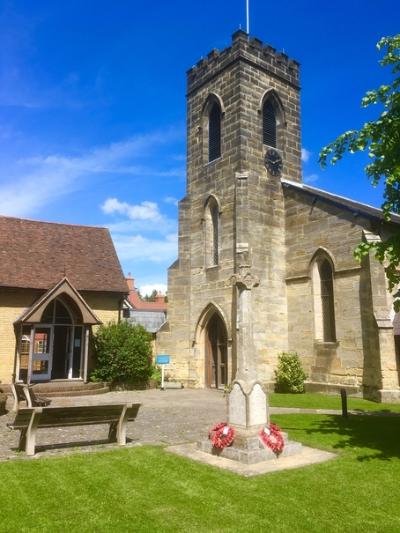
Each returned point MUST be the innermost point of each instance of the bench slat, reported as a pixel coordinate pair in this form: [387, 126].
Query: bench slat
[74, 416]
[22, 418]
[28, 421]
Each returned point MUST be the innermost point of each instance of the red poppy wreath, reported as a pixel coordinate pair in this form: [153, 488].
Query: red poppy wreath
[221, 435]
[272, 437]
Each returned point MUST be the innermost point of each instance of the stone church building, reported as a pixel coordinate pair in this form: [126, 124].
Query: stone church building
[249, 225]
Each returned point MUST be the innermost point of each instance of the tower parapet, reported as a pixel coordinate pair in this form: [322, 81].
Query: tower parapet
[250, 50]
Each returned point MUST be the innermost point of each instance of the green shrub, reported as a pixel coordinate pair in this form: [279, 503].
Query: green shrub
[289, 376]
[3, 399]
[156, 374]
[123, 354]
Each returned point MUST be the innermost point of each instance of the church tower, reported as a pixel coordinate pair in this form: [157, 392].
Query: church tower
[243, 137]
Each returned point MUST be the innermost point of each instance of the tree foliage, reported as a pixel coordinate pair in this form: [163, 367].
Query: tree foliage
[381, 139]
[123, 353]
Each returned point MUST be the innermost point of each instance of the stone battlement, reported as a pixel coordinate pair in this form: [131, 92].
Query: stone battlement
[250, 50]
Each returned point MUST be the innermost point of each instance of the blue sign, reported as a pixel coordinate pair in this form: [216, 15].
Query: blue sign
[162, 359]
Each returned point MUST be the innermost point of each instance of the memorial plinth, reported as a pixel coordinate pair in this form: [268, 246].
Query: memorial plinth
[247, 402]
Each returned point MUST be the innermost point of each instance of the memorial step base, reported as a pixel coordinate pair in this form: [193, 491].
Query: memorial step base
[250, 450]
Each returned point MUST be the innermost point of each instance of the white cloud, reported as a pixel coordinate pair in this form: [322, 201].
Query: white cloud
[36, 182]
[149, 288]
[305, 155]
[310, 178]
[143, 211]
[140, 248]
[171, 200]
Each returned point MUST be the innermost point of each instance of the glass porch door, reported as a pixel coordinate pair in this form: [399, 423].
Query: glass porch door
[42, 353]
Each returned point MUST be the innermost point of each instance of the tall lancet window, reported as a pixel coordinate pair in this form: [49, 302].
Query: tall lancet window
[214, 132]
[324, 302]
[269, 124]
[212, 232]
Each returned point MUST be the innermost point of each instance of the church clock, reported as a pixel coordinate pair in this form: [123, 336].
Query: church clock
[273, 162]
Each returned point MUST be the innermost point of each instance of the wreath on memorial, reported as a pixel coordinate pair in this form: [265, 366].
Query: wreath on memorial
[272, 437]
[221, 435]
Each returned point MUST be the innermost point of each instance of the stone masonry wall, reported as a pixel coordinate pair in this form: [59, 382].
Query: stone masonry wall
[354, 359]
[251, 205]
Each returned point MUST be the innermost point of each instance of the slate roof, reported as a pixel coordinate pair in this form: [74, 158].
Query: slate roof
[340, 201]
[37, 255]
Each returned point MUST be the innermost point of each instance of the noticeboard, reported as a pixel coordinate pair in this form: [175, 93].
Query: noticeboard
[162, 359]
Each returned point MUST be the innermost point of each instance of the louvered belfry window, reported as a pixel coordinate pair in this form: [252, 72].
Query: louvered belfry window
[214, 133]
[269, 125]
[327, 301]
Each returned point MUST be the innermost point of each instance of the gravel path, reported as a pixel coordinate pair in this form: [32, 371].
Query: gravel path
[165, 417]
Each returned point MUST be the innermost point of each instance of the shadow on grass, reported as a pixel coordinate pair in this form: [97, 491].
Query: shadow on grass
[365, 437]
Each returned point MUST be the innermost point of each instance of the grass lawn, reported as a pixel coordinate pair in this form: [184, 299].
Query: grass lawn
[327, 401]
[146, 489]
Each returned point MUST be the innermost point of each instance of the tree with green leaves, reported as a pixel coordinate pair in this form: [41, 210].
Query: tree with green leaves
[381, 138]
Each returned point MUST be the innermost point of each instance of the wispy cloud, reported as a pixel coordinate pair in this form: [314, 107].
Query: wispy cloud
[139, 248]
[171, 200]
[305, 155]
[142, 232]
[37, 181]
[310, 178]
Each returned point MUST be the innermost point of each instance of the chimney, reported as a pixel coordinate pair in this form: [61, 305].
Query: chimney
[130, 282]
[160, 298]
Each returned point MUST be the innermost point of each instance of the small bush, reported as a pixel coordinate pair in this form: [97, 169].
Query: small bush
[156, 374]
[3, 400]
[123, 354]
[289, 376]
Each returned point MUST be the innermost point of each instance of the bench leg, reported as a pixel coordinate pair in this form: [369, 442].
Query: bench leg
[31, 434]
[112, 432]
[22, 440]
[121, 427]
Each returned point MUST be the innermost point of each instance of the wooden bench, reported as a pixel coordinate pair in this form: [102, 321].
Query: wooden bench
[25, 393]
[29, 420]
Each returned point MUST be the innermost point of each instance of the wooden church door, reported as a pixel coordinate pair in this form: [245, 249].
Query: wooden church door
[216, 353]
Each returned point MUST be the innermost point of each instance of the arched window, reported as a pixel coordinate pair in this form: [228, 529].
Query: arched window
[212, 233]
[214, 132]
[269, 124]
[324, 303]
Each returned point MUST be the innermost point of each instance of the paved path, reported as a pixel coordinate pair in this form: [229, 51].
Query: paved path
[166, 417]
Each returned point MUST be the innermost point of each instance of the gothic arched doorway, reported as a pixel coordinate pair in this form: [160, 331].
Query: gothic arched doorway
[216, 356]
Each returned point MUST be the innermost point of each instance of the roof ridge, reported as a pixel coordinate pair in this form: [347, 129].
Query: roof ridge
[337, 197]
[55, 223]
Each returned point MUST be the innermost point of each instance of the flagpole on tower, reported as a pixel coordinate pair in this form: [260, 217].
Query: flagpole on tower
[247, 18]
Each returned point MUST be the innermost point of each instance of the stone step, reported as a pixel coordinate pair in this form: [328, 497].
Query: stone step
[251, 452]
[67, 389]
[69, 393]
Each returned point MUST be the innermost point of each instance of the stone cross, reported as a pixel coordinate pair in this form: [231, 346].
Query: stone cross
[247, 399]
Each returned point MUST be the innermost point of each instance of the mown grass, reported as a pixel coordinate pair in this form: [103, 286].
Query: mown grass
[327, 401]
[147, 489]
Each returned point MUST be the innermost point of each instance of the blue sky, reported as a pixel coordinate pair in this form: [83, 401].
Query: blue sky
[92, 105]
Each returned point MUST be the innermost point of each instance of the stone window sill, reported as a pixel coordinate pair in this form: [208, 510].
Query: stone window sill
[329, 344]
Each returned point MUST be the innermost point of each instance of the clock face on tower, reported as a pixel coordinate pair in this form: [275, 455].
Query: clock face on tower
[273, 162]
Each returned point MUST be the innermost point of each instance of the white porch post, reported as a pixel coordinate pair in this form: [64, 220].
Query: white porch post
[86, 352]
[29, 378]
